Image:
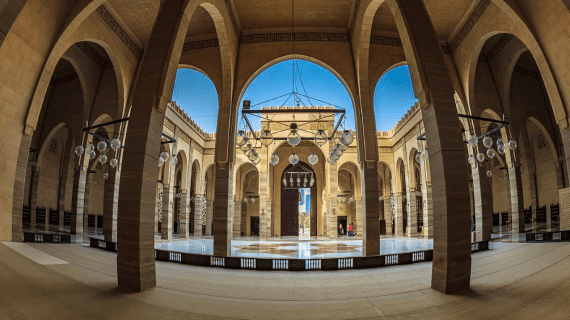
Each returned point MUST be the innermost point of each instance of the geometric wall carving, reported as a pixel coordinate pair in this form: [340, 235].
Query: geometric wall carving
[299, 36]
[120, 32]
[469, 24]
[100, 61]
[53, 146]
[202, 44]
[540, 142]
[387, 41]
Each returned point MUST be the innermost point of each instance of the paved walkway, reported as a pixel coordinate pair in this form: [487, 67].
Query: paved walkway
[523, 281]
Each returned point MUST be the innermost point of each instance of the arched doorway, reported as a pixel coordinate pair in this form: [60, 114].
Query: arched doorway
[298, 207]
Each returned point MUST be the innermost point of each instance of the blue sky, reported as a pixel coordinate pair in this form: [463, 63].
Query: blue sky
[196, 94]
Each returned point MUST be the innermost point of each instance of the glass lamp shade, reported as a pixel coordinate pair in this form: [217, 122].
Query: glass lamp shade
[321, 137]
[294, 138]
[249, 153]
[274, 160]
[298, 181]
[173, 160]
[284, 182]
[160, 162]
[245, 200]
[425, 155]
[337, 152]
[480, 157]
[266, 138]
[500, 142]
[312, 182]
[489, 173]
[105, 176]
[241, 138]
[487, 142]
[346, 138]
[490, 153]
[245, 147]
[79, 150]
[471, 159]
[305, 182]
[334, 157]
[164, 155]
[291, 181]
[332, 160]
[115, 144]
[313, 159]
[91, 146]
[293, 159]
[114, 163]
[103, 158]
[102, 146]
[418, 158]
[253, 156]
[257, 160]
[501, 150]
[341, 146]
[512, 144]
[92, 154]
[472, 140]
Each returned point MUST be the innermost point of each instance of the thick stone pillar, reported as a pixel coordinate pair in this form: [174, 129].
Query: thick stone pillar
[451, 270]
[167, 212]
[19, 187]
[111, 205]
[370, 204]
[197, 216]
[428, 203]
[78, 202]
[222, 211]
[399, 215]
[68, 157]
[516, 196]
[483, 198]
[34, 197]
[209, 216]
[184, 231]
[135, 258]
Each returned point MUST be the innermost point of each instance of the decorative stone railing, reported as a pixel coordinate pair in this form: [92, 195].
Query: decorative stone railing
[548, 236]
[289, 264]
[47, 237]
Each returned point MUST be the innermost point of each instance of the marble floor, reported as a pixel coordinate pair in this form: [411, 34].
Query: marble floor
[70, 281]
[291, 247]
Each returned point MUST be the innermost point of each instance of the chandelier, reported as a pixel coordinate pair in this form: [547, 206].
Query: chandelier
[299, 177]
[297, 130]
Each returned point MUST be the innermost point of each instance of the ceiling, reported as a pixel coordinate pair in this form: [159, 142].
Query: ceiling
[139, 15]
[255, 14]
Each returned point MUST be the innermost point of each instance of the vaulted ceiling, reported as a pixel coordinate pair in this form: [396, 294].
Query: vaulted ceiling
[256, 15]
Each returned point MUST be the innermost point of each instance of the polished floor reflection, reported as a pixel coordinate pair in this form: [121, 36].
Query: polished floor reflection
[293, 248]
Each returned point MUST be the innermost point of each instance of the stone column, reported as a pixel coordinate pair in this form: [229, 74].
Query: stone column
[184, 231]
[111, 205]
[222, 212]
[34, 197]
[388, 214]
[167, 211]
[78, 202]
[209, 216]
[412, 211]
[358, 225]
[67, 157]
[370, 208]
[399, 215]
[197, 216]
[237, 219]
[19, 187]
[264, 214]
[483, 198]
[451, 270]
[136, 266]
[516, 196]
[428, 203]
[333, 200]
[526, 151]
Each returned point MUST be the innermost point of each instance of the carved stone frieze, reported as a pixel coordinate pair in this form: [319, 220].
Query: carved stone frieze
[119, 31]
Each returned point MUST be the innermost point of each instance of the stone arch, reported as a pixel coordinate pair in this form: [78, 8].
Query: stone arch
[192, 67]
[210, 176]
[166, 167]
[400, 180]
[354, 170]
[59, 53]
[195, 176]
[49, 165]
[183, 161]
[412, 167]
[525, 36]
[264, 65]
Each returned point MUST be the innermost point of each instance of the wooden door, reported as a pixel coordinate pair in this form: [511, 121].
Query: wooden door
[289, 212]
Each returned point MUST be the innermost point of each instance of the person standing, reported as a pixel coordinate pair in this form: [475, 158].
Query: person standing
[350, 228]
